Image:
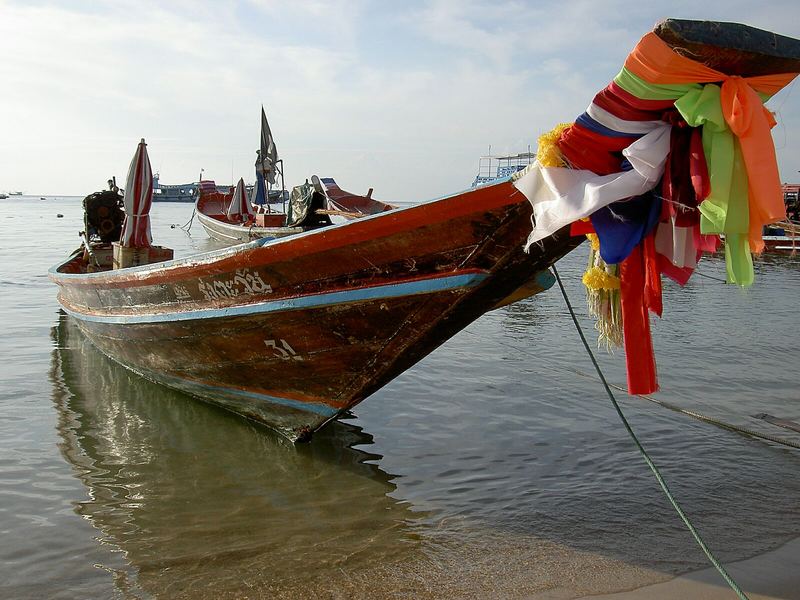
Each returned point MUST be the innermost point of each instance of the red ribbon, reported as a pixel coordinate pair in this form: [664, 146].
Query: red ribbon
[638, 293]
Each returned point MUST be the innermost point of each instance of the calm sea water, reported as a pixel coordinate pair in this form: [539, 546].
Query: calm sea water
[494, 468]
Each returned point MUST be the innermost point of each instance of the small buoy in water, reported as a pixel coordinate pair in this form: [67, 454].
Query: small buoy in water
[59, 216]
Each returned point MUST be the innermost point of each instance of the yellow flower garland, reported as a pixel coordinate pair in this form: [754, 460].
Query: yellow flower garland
[603, 296]
[548, 153]
[597, 278]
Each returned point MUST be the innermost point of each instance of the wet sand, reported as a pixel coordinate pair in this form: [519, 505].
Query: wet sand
[771, 576]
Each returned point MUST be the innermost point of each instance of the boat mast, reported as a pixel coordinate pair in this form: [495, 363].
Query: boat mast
[268, 163]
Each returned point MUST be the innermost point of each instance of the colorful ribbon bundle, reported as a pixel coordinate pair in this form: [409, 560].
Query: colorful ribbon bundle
[668, 157]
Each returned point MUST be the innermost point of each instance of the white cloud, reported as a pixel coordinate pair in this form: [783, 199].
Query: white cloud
[403, 100]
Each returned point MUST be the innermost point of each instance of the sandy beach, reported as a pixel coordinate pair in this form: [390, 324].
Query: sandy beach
[771, 576]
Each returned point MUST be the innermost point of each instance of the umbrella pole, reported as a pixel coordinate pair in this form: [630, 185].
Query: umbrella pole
[283, 185]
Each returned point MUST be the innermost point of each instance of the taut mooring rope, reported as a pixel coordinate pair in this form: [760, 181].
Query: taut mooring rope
[188, 225]
[684, 411]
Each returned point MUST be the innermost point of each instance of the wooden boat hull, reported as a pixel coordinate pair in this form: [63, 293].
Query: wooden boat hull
[210, 212]
[230, 233]
[781, 244]
[210, 209]
[782, 237]
[293, 332]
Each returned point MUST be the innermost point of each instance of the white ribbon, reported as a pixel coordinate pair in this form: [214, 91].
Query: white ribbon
[561, 196]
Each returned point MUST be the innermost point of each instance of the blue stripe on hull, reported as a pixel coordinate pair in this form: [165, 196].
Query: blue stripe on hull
[209, 391]
[395, 290]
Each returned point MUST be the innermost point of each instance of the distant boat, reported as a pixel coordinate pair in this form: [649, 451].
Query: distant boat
[784, 237]
[184, 192]
[3, 196]
[15, 193]
[493, 168]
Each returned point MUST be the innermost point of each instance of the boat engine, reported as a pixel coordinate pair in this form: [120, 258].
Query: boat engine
[103, 216]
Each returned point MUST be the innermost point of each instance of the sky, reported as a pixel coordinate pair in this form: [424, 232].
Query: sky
[403, 97]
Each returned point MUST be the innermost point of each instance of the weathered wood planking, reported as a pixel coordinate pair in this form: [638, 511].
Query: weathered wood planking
[732, 48]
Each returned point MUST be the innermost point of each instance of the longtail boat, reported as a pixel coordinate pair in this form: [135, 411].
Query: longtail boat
[294, 331]
[347, 204]
[211, 210]
[229, 216]
[311, 205]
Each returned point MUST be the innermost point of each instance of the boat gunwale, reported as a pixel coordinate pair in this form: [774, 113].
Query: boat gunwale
[222, 228]
[166, 271]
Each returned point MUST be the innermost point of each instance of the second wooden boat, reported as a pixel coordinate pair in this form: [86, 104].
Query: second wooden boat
[315, 204]
[211, 210]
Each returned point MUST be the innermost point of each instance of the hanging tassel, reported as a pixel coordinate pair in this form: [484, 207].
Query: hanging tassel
[603, 297]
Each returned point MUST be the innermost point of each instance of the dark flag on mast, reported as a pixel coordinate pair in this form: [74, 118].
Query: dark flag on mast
[268, 153]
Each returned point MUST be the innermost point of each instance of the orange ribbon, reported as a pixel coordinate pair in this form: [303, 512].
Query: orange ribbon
[655, 62]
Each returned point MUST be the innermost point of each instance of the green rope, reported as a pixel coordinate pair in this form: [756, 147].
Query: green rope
[646, 457]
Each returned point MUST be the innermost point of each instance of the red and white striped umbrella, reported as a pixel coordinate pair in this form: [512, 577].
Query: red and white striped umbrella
[138, 199]
[240, 209]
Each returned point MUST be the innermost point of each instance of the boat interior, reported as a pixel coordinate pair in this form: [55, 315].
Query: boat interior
[101, 249]
[215, 205]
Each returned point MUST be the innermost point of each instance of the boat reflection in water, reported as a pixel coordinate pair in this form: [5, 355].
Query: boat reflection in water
[203, 502]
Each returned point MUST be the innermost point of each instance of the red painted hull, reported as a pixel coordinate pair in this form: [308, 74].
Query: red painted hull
[293, 332]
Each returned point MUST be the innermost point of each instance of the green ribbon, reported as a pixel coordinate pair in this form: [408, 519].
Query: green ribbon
[726, 209]
[637, 86]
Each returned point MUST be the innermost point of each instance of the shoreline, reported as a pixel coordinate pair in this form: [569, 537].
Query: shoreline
[774, 575]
